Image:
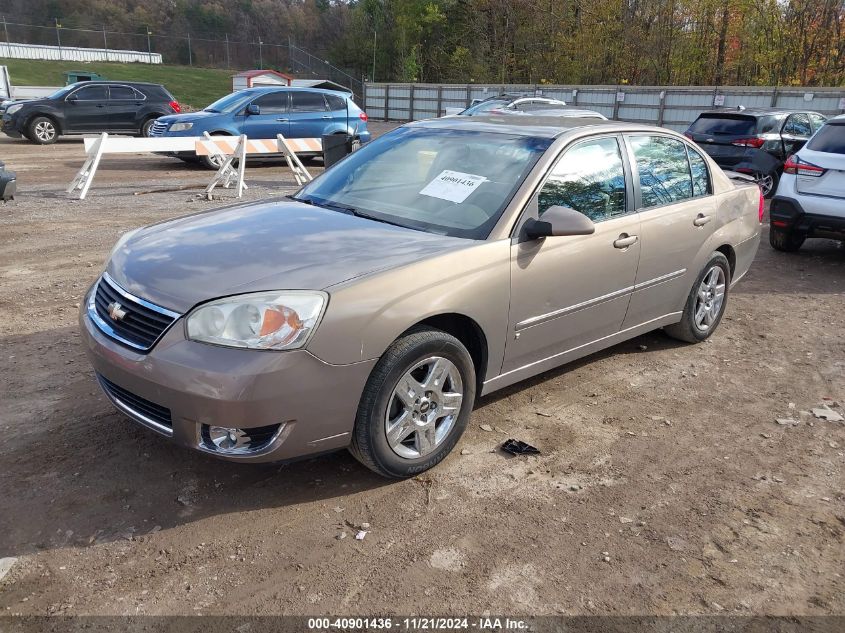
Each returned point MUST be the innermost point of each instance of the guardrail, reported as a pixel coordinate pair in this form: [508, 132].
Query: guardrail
[668, 106]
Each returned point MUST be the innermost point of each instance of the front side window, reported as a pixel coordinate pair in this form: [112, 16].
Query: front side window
[817, 120]
[307, 102]
[444, 181]
[273, 103]
[589, 178]
[664, 170]
[92, 93]
[798, 125]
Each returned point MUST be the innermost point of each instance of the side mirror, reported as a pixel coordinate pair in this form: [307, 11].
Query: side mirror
[253, 108]
[72, 98]
[557, 222]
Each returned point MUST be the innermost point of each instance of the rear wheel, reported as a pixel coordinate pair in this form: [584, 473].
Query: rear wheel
[42, 130]
[706, 302]
[785, 240]
[768, 182]
[416, 404]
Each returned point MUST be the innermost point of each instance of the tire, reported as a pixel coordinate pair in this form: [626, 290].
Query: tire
[42, 130]
[146, 126]
[768, 183]
[710, 289]
[416, 359]
[211, 162]
[785, 241]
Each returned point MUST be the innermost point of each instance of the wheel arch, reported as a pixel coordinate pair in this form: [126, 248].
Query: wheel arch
[728, 251]
[47, 115]
[468, 332]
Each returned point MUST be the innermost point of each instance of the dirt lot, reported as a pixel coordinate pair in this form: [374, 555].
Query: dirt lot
[665, 484]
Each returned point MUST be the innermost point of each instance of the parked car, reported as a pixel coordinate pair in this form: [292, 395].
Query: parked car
[810, 200]
[127, 107]
[523, 103]
[567, 111]
[754, 141]
[266, 112]
[445, 260]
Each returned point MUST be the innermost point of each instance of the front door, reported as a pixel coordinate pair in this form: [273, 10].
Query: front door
[86, 109]
[796, 132]
[272, 117]
[567, 292]
[678, 216]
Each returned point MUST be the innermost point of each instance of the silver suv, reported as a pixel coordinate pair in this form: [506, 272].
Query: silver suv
[810, 200]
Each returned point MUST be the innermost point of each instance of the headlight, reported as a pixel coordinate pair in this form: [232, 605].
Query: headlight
[267, 320]
[181, 127]
[14, 108]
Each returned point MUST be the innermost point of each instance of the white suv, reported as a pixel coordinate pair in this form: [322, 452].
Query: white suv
[810, 200]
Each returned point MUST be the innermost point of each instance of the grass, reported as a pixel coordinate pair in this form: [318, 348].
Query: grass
[195, 87]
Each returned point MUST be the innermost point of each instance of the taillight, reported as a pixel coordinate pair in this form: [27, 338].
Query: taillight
[755, 142]
[761, 207]
[174, 105]
[797, 167]
[363, 116]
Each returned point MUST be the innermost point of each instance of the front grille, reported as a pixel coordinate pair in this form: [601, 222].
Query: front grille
[136, 323]
[158, 128]
[139, 408]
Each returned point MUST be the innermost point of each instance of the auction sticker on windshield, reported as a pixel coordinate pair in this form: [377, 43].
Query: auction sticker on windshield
[453, 186]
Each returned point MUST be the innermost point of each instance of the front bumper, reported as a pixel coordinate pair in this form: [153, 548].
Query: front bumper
[202, 385]
[9, 128]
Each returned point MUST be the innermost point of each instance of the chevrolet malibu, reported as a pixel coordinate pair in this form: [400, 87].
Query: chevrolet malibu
[445, 260]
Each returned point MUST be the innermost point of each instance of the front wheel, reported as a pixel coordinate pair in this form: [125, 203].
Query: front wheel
[416, 404]
[706, 302]
[42, 130]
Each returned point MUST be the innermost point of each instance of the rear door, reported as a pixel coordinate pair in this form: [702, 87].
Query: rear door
[86, 109]
[677, 213]
[796, 132]
[124, 105]
[272, 118]
[825, 153]
[309, 114]
[570, 291]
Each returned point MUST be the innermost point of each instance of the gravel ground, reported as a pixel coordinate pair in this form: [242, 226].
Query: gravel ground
[665, 484]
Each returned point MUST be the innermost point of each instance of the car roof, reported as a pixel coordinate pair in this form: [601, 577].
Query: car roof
[110, 82]
[529, 125]
[757, 111]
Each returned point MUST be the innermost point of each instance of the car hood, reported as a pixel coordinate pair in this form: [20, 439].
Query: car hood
[188, 117]
[274, 245]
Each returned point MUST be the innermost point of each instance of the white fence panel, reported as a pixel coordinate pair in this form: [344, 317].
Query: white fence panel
[76, 54]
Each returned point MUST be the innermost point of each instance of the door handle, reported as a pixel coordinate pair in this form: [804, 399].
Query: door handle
[327, 116]
[625, 240]
[101, 105]
[701, 219]
[282, 120]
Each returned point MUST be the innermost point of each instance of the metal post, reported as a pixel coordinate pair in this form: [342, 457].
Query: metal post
[149, 45]
[662, 108]
[228, 61]
[469, 95]
[190, 56]
[260, 56]
[411, 105]
[105, 43]
[387, 102]
[440, 100]
[6, 29]
[775, 97]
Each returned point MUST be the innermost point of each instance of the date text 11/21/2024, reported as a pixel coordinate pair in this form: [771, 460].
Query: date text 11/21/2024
[418, 623]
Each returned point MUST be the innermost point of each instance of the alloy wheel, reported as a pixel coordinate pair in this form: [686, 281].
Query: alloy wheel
[711, 296]
[45, 131]
[423, 407]
[766, 183]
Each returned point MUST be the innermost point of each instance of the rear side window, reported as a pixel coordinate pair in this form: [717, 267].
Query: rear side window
[122, 93]
[798, 125]
[273, 103]
[830, 139]
[589, 178]
[307, 102]
[336, 103]
[733, 125]
[700, 174]
[664, 170]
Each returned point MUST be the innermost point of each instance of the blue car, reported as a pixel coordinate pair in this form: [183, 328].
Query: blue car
[266, 112]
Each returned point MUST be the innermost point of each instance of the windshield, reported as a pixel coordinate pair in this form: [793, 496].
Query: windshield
[485, 106]
[830, 139]
[734, 125]
[449, 182]
[61, 92]
[230, 103]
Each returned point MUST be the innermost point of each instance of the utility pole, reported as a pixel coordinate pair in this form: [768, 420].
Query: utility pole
[375, 42]
[6, 29]
[149, 45]
[58, 36]
[190, 56]
[228, 64]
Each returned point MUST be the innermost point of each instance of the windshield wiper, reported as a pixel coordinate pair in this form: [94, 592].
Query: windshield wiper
[344, 208]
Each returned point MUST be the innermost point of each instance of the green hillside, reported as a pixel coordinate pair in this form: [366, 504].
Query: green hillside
[196, 87]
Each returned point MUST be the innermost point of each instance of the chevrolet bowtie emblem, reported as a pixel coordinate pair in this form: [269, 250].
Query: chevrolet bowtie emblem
[116, 311]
